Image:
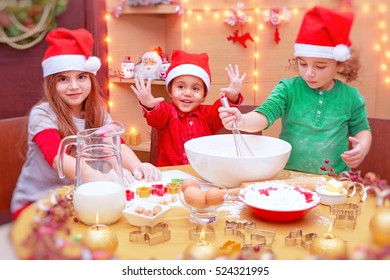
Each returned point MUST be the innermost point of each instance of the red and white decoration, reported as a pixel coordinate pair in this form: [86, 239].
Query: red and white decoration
[276, 17]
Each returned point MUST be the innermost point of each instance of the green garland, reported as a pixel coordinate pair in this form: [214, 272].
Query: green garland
[24, 23]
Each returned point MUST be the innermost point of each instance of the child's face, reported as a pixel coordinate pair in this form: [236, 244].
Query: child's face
[319, 73]
[73, 87]
[187, 92]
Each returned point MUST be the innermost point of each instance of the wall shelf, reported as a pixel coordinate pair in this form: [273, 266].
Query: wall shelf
[131, 81]
[158, 9]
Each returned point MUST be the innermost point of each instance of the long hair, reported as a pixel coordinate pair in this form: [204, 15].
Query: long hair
[94, 106]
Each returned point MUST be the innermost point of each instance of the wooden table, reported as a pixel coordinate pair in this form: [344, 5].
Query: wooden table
[316, 221]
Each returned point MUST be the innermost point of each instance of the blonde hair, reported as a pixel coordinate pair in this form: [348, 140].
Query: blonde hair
[350, 67]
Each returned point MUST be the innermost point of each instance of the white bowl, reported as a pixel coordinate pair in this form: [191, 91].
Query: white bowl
[214, 158]
[331, 198]
[137, 219]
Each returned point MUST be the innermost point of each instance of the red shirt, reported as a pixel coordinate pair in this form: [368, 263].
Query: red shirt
[175, 128]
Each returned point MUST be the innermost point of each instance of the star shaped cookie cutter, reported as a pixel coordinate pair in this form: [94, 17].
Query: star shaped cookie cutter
[297, 237]
[151, 235]
[257, 237]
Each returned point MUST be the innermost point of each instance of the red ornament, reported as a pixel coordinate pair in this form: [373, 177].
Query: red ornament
[276, 35]
[241, 39]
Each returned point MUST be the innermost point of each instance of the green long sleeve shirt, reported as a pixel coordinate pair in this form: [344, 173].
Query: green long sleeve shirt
[315, 122]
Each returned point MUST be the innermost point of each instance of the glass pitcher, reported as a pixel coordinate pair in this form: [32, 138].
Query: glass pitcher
[99, 193]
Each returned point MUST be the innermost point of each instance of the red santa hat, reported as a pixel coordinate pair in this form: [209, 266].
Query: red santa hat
[183, 63]
[69, 50]
[325, 33]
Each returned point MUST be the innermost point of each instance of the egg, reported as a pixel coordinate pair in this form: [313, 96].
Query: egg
[189, 182]
[194, 197]
[214, 196]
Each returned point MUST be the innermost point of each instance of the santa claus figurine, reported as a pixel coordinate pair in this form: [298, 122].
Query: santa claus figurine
[149, 66]
[164, 67]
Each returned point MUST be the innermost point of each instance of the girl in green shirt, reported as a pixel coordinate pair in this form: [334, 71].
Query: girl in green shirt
[323, 118]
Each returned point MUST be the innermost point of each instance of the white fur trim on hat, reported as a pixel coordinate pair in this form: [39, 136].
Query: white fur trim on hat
[339, 53]
[188, 69]
[69, 62]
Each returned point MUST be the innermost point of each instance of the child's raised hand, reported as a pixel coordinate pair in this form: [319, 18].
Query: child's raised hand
[356, 155]
[235, 84]
[144, 93]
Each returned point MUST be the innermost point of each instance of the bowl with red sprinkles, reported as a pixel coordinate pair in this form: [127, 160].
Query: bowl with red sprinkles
[278, 201]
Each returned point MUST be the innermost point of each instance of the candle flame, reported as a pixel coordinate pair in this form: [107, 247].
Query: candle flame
[97, 218]
[202, 235]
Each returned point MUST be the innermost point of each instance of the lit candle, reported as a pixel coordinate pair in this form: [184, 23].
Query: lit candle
[201, 250]
[100, 238]
[133, 137]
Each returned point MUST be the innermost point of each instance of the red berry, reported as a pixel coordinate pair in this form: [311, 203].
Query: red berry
[323, 168]
[326, 161]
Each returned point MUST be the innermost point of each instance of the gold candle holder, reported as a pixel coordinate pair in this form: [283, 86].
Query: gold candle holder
[100, 238]
[201, 250]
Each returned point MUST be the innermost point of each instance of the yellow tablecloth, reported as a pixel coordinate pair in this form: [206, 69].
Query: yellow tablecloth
[316, 221]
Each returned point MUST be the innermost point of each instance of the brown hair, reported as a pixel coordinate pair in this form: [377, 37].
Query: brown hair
[94, 107]
[350, 67]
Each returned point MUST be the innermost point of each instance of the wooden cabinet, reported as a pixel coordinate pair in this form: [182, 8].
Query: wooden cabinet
[136, 31]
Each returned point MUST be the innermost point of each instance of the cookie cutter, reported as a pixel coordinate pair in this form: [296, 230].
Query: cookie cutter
[244, 229]
[297, 237]
[143, 191]
[177, 180]
[151, 235]
[202, 232]
[173, 188]
[159, 189]
[129, 195]
[345, 215]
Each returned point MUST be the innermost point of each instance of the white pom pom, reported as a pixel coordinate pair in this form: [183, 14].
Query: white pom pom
[341, 53]
[93, 64]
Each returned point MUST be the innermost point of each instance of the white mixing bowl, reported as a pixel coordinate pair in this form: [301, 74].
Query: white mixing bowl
[214, 158]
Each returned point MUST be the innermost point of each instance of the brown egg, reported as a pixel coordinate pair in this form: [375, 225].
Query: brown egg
[188, 183]
[194, 197]
[214, 196]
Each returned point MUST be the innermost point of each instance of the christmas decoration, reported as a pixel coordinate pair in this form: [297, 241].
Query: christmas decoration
[149, 66]
[329, 246]
[276, 17]
[25, 25]
[236, 16]
[240, 38]
[380, 221]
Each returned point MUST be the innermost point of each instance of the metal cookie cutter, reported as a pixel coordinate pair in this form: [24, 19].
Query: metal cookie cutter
[147, 234]
[345, 215]
[257, 237]
[297, 237]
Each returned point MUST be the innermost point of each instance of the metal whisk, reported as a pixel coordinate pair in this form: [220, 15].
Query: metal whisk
[242, 148]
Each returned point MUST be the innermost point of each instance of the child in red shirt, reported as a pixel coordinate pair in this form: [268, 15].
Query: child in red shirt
[188, 82]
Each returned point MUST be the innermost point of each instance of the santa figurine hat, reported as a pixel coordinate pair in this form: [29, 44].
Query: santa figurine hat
[69, 50]
[325, 33]
[183, 63]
